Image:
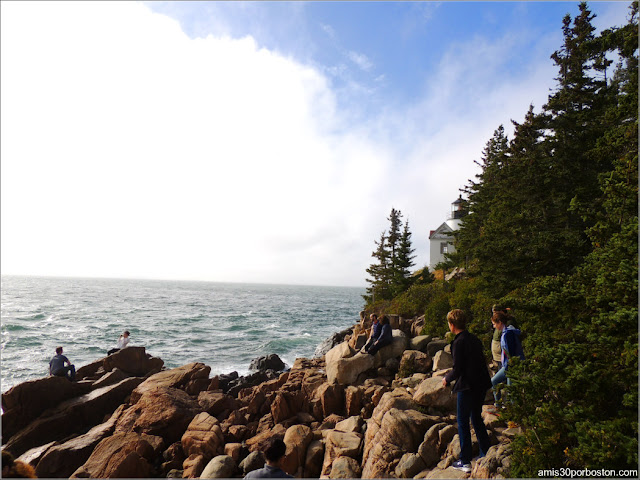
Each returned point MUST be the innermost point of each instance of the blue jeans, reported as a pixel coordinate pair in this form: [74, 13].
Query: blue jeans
[470, 406]
[499, 377]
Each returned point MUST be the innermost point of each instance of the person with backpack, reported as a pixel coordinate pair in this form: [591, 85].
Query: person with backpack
[511, 347]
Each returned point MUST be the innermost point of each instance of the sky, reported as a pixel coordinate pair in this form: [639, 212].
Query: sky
[259, 142]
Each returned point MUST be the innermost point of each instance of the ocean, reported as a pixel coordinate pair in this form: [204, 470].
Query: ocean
[223, 325]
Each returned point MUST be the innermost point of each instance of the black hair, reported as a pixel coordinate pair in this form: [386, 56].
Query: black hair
[275, 449]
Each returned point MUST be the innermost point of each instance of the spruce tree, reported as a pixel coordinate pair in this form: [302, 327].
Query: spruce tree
[403, 262]
[379, 272]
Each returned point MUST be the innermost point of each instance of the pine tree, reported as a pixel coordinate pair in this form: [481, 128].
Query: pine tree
[403, 262]
[380, 284]
[395, 220]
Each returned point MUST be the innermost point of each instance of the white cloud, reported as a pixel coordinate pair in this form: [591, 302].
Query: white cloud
[361, 60]
[131, 150]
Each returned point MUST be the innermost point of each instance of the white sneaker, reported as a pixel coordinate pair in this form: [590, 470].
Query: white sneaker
[464, 467]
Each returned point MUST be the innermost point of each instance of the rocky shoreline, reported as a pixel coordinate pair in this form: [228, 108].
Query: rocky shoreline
[343, 414]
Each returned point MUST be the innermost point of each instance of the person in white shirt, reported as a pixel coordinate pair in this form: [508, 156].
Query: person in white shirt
[123, 341]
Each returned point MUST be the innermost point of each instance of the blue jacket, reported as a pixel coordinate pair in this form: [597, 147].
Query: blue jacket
[386, 335]
[510, 344]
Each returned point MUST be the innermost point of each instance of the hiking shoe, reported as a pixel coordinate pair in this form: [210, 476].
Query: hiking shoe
[464, 467]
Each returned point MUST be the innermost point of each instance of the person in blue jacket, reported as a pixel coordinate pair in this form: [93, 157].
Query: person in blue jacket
[385, 338]
[511, 347]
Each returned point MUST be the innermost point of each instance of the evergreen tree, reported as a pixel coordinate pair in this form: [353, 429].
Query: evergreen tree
[403, 262]
[395, 220]
[380, 284]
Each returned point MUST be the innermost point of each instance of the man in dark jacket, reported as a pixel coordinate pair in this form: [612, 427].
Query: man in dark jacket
[472, 382]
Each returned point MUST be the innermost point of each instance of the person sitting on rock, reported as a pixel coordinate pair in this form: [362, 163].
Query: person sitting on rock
[57, 366]
[385, 338]
[274, 453]
[15, 468]
[472, 382]
[123, 341]
[376, 328]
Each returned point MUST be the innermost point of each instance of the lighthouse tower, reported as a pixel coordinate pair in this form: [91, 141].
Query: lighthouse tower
[441, 239]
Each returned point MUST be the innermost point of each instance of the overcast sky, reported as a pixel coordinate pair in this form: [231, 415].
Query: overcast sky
[252, 142]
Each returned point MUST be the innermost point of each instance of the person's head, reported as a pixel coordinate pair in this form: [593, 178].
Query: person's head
[499, 320]
[58, 350]
[126, 333]
[373, 317]
[498, 308]
[12, 468]
[384, 320]
[275, 450]
[457, 319]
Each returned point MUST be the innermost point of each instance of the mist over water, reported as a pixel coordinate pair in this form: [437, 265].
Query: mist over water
[222, 325]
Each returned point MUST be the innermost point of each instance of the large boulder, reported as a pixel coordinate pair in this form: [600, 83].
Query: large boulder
[132, 360]
[419, 342]
[122, 455]
[214, 403]
[330, 399]
[165, 412]
[401, 431]
[60, 461]
[251, 462]
[436, 345]
[297, 439]
[203, 437]
[442, 360]
[176, 378]
[431, 393]
[345, 467]
[26, 401]
[409, 466]
[267, 362]
[331, 342]
[353, 397]
[342, 350]
[221, 466]
[429, 449]
[72, 416]
[313, 459]
[393, 350]
[345, 370]
[414, 361]
[340, 444]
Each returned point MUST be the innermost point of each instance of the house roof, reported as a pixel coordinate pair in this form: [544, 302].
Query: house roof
[444, 231]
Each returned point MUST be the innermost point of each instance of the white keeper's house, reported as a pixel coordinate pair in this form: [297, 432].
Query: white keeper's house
[441, 239]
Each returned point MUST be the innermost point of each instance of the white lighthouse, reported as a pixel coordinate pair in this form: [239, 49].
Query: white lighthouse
[441, 239]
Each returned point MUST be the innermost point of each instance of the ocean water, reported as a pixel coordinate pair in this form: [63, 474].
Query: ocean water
[222, 325]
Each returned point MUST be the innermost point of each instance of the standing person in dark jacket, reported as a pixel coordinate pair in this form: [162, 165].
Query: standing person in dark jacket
[472, 382]
[385, 338]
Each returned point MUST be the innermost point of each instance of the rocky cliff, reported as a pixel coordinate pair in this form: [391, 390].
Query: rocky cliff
[342, 415]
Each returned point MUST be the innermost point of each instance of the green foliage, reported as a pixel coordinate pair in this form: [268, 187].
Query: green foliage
[390, 274]
[552, 232]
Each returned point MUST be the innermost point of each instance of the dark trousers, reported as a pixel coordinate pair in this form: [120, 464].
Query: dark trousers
[113, 350]
[68, 371]
[470, 406]
[372, 350]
